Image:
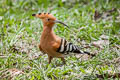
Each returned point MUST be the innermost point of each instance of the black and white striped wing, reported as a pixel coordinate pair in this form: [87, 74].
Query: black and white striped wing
[67, 47]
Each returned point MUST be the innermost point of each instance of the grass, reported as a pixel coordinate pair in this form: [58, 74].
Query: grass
[20, 36]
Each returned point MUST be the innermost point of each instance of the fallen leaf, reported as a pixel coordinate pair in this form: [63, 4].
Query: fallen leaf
[82, 56]
[104, 37]
[113, 9]
[84, 44]
[97, 15]
[15, 72]
[105, 15]
[116, 60]
[95, 52]
[117, 46]
[100, 43]
[10, 73]
[3, 56]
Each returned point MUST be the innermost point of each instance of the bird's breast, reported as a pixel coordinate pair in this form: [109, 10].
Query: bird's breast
[50, 44]
[46, 42]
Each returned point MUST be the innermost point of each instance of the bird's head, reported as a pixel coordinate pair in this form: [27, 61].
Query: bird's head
[48, 19]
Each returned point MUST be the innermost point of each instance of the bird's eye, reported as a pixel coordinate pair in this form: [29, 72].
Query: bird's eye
[48, 19]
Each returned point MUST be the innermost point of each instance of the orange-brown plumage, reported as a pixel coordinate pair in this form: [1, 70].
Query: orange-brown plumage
[50, 43]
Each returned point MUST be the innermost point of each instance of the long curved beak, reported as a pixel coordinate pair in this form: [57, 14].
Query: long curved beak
[57, 21]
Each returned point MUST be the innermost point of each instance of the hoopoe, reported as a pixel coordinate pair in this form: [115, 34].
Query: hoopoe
[50, 43]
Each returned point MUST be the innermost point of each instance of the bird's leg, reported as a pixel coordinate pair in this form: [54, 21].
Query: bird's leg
[62, 58]
[50, 58]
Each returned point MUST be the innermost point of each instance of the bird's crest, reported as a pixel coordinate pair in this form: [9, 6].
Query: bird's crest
[44, 15]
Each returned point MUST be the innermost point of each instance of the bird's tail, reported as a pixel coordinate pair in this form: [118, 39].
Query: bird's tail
[67, 47]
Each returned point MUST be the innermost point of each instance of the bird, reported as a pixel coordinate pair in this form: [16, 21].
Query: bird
[53, 45]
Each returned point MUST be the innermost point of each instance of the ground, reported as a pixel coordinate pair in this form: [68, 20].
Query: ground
[93, 24]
